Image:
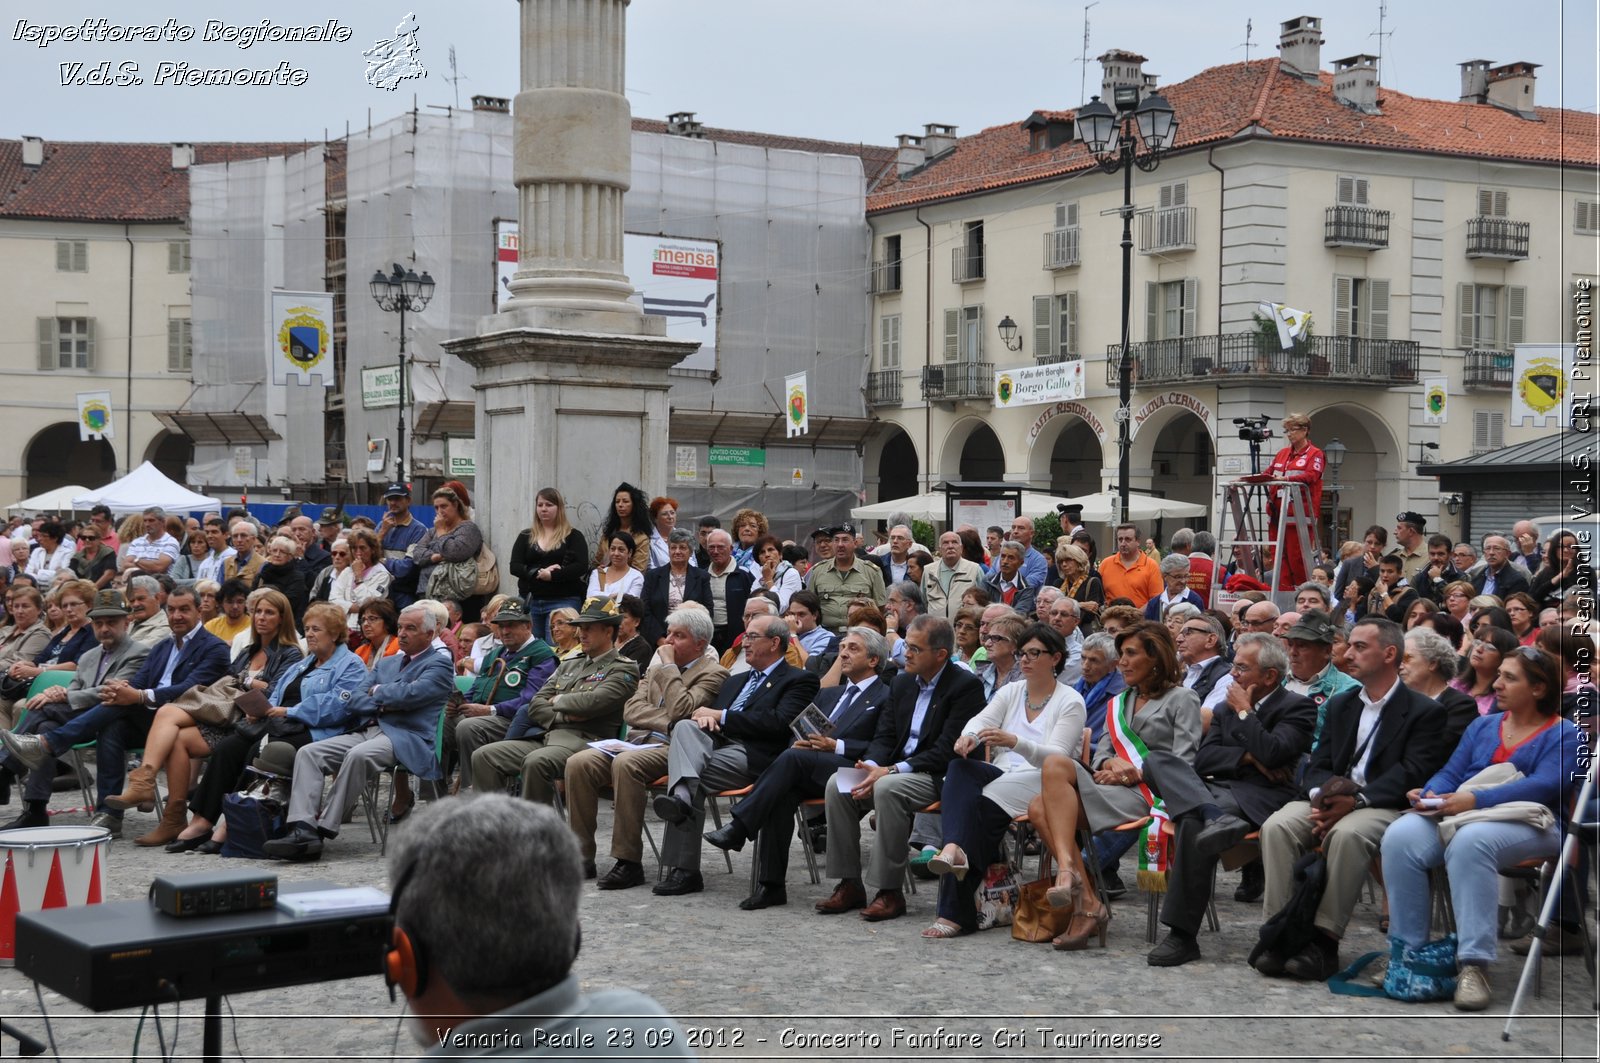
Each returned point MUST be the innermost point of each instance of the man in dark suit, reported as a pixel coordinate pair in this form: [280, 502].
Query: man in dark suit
[1379, 741]
[191, 657]
[395, 720]
[728, 744]
[803, 770]
[1499, 576]
[51, 711]
[915, 740]
[1239, 778]
[658, 584]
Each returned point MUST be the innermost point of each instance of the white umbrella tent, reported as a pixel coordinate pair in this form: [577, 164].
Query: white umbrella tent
[58, 500]
[143, 488]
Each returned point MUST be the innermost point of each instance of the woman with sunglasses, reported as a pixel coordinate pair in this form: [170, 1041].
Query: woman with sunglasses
[1489, 646]
[1527, 735]
[1000, 666]
[1022, 725]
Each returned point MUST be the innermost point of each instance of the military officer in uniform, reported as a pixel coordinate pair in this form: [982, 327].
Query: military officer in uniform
[510, 673]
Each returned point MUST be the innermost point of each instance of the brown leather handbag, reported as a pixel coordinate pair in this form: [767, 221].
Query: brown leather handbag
[1034, 920]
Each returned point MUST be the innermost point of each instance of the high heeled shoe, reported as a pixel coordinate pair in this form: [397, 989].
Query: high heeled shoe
[1068, 896]
[950, 860]
[184, 845]
[1083, 927]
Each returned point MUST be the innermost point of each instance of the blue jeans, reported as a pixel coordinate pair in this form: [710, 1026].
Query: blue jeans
[1473, 860]
[1109, 845]
[539, 610]
[113, 728]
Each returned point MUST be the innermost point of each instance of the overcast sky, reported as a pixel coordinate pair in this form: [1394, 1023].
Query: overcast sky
[851, 70]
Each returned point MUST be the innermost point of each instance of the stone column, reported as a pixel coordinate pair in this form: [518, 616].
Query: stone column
[571, 376]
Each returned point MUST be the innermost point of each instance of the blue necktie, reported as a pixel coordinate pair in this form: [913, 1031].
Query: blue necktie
[749, 688]
[844, 703]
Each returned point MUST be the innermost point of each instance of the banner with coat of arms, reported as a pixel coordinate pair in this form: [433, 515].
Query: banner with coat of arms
[1435, 400]
[796, 406]
[94, 416]
[1030, 385]
[1539, 383]
[301, 338]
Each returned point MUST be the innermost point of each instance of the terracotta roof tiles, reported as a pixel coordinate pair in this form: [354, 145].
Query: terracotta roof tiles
[1227, 101]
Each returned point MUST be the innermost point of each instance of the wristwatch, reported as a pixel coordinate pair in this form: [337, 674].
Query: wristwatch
[1361, 800]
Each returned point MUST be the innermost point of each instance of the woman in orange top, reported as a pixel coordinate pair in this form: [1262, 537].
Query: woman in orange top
[379, 626]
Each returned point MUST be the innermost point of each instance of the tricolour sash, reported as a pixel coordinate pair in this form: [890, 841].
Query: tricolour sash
[1130, 747]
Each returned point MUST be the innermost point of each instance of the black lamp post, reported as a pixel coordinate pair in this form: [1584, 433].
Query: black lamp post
[1334, 452]
[1114, 139]
[1008, 334]
[401, 291]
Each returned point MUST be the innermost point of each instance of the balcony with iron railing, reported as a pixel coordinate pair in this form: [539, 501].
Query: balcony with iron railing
[958, 382]
[886, 277]
[1055, 358]
[1355, 227]
[883, 387]
[1166, 230]
[1497, 238]
[1061, 248]
[1488, 369]
[966, 263]
[1246, 357]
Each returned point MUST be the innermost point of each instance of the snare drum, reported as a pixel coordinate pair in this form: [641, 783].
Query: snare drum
[48, 867]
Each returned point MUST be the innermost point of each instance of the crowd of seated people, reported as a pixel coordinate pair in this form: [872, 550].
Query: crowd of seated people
[970, 696]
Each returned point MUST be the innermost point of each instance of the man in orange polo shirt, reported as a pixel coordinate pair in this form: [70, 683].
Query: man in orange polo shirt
[1130, 573]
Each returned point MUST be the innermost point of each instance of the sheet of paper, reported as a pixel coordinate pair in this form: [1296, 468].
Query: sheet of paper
[612, 746]
[849, 778]
[321, 902]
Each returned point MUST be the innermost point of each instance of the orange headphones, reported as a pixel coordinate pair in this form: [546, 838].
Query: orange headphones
[405, 964]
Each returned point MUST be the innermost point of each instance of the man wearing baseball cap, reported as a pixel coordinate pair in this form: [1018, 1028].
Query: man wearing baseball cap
[1412, 548]
[397, 534]
[840, 578]
[1311, 670]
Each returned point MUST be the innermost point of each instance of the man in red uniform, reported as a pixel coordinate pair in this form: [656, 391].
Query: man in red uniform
[1303, 462]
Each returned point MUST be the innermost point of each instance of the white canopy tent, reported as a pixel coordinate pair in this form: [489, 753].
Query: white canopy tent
[1097, 508]
[56, 501]
[1102, 507]
[143, 488]
[931, 507]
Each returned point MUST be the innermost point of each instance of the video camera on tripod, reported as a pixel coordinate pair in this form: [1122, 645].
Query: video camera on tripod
[1254, 430]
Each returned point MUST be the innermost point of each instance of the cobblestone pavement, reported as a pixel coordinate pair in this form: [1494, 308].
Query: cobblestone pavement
[757, 985]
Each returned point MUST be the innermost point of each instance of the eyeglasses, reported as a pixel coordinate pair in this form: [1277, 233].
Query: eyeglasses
[1194, 631]
[88, 538]
[995, 638]
[1033, 653]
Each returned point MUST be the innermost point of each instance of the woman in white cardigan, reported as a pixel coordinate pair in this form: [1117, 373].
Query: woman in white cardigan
[1023, 724]
[364, 581]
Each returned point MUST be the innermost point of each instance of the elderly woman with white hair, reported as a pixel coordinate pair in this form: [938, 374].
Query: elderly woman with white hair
[1175, 588]
[1430, 662]
[1078, 580]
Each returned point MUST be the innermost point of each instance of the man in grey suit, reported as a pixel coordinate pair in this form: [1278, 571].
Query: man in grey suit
[116, 657]
[396, 718]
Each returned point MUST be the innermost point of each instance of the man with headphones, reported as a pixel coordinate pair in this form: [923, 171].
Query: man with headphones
[495, 980]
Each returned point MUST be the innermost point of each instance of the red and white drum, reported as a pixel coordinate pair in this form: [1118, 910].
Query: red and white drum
[48, 867]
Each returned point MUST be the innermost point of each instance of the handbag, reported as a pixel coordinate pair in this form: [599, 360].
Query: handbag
[453, 580]
[1034, 919]
[212, 703]
[254, 817]
[488, 572]
[1416, 976]
[996, 898]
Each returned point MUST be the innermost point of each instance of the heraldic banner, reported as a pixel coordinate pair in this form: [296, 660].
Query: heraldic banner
[1435, 400]
[301, 338]
[797, 406]
[94, 416]
[1539, 383]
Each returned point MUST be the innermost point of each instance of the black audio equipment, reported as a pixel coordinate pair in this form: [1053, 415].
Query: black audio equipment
[213, 892]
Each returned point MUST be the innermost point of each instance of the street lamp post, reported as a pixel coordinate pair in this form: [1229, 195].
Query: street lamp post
[1334, 452]
[399, 292]
[1114, 139]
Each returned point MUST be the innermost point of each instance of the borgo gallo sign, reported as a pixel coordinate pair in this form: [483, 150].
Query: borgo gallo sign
[1033, 385]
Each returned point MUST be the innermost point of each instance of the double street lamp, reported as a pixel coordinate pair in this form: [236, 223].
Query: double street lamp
[1115, 138]
[402, 291]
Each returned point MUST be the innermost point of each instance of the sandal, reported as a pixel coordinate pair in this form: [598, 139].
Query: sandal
[943, 930]
[953, 864]
[1066, 896]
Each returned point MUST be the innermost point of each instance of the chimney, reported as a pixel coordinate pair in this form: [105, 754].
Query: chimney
[938, 139]
[33, 151]
[682, 124]
[1355, 82]
[1119, 69]
[1475, 80]
[1511, 87]
[1300, 46]
[911, 154]
[182, 156]
[495, 104]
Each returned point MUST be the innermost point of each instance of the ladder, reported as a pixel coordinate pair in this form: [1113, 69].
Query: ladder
[1246, 529]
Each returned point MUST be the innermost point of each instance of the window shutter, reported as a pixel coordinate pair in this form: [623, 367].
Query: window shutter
[1377, 309]
[1191, 308]
[1492, 202]
[80, 256]
[1152, 310]
[1067, 328]
[977, 330]
[178, 359]
[1488, 430]
[63, 256]
[1465, 330]
[1341, 306]
[1586, 216]
[1516, 309]
[47, 342]
[1061, 215]
[88, 343]
[1352, 191]
[952, 335]
[177, 256]
[1174, 195]
[1043, 315]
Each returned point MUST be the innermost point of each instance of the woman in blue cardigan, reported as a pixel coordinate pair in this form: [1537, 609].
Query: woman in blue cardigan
[1529, 734]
